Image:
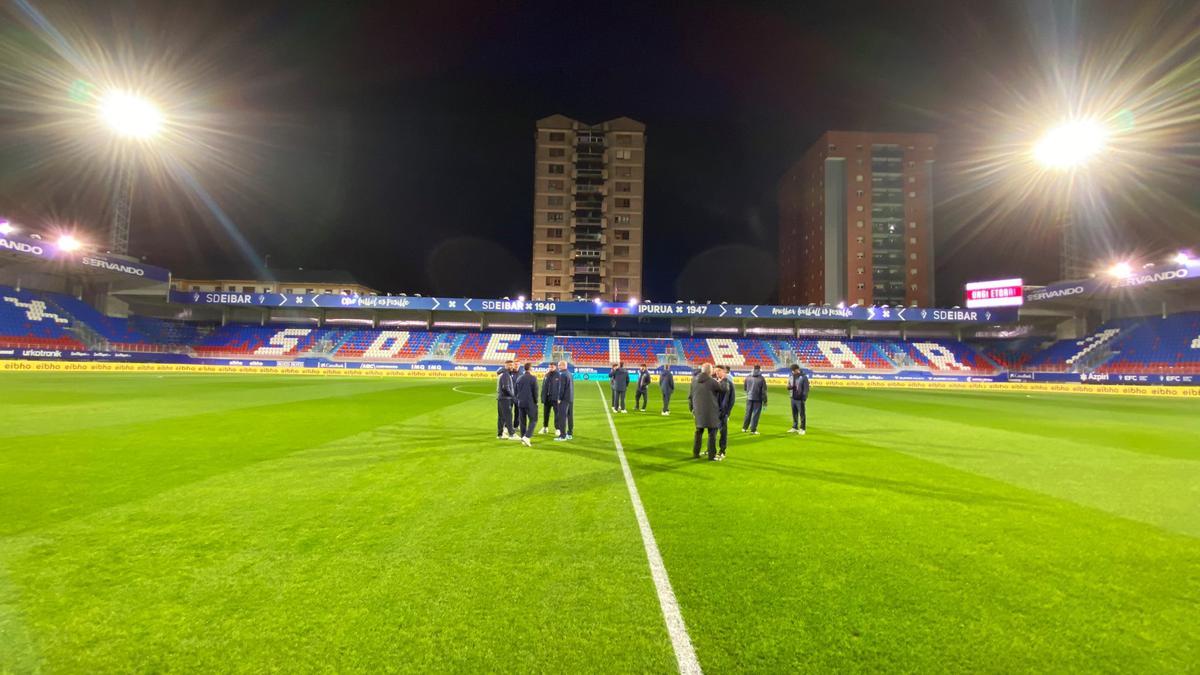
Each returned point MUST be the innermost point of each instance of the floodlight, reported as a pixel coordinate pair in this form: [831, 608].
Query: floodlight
[1121, 270]
[597, 301]
[130, 116]
[1070, 144]
[6, 227]
[520, 298]
[1181, 258]
[632, 301]
[69, 243]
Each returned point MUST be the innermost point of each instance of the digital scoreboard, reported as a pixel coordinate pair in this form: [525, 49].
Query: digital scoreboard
[1000, 293]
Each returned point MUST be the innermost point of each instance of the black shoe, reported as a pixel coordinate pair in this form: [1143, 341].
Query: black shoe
[695, 455]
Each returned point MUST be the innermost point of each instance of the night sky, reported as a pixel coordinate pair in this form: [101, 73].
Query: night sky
[396, 141]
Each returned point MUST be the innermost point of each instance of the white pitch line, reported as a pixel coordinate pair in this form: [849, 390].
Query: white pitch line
[472, 393]
[685, 653]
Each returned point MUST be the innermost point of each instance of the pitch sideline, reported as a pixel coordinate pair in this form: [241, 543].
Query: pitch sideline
[685, 653]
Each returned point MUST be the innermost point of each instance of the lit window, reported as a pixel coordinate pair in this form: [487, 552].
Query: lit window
[624, 154]
[912, 271]
[859, 208]
[912, 240]
[859, 224]
[912, 256]
[858, 178]
[912, 194]
[912, 224]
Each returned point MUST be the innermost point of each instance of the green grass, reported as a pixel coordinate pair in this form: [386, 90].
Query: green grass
[205, 522]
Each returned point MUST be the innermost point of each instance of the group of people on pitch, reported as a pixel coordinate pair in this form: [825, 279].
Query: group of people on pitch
[517, 402]
[711, 399]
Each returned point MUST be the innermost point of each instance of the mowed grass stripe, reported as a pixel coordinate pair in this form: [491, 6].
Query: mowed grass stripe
[61, 475]
[681, 643]
[59, 402]
[418, 544]
[833, 551]
[1152, 476]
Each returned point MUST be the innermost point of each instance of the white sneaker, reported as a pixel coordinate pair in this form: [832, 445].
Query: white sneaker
[624, 410]
[503, 435]
[526, 443]
[665, 414]
[743, 430]
[545, 430]
[792, 431]
[801, 432]
[753, 433]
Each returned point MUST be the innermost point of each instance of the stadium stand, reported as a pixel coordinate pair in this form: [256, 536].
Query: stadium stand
[1147, 345]
[948, 357]
[1072, 355]
[266, 341]
[500, 347]
[385, 344]
[27, 322]
[116, 331]
[586, 351]
[1010, 354]
[1164, 346]
[846, 354]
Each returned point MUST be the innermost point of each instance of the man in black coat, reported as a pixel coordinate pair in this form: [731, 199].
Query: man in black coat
[798, 388]
[505, 393]
[564, 411]
[643, 389]
[549, 395]
[725, 400]
[702, 400]
[666, 382]
[619, 381]
[756, 398]
[527, 397]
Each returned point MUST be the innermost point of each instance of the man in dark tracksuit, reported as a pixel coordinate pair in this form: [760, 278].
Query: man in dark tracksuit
[725, 400]
[549, 387]
[505, 393]
[798, 388]
[643, 389]
[702, 401]
[564, 410]
[666, 382]
[756, 398]
[619, 381]
[527, 397]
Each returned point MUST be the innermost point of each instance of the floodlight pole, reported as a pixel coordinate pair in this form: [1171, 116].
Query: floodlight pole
[122, 207]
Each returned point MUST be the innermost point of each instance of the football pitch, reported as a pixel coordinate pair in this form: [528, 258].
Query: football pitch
[245, 523]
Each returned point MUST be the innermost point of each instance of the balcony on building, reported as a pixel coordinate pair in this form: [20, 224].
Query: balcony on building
[588, 237]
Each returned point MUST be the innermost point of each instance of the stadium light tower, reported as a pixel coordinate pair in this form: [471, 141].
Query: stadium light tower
[131, 118]
[1070, 146]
